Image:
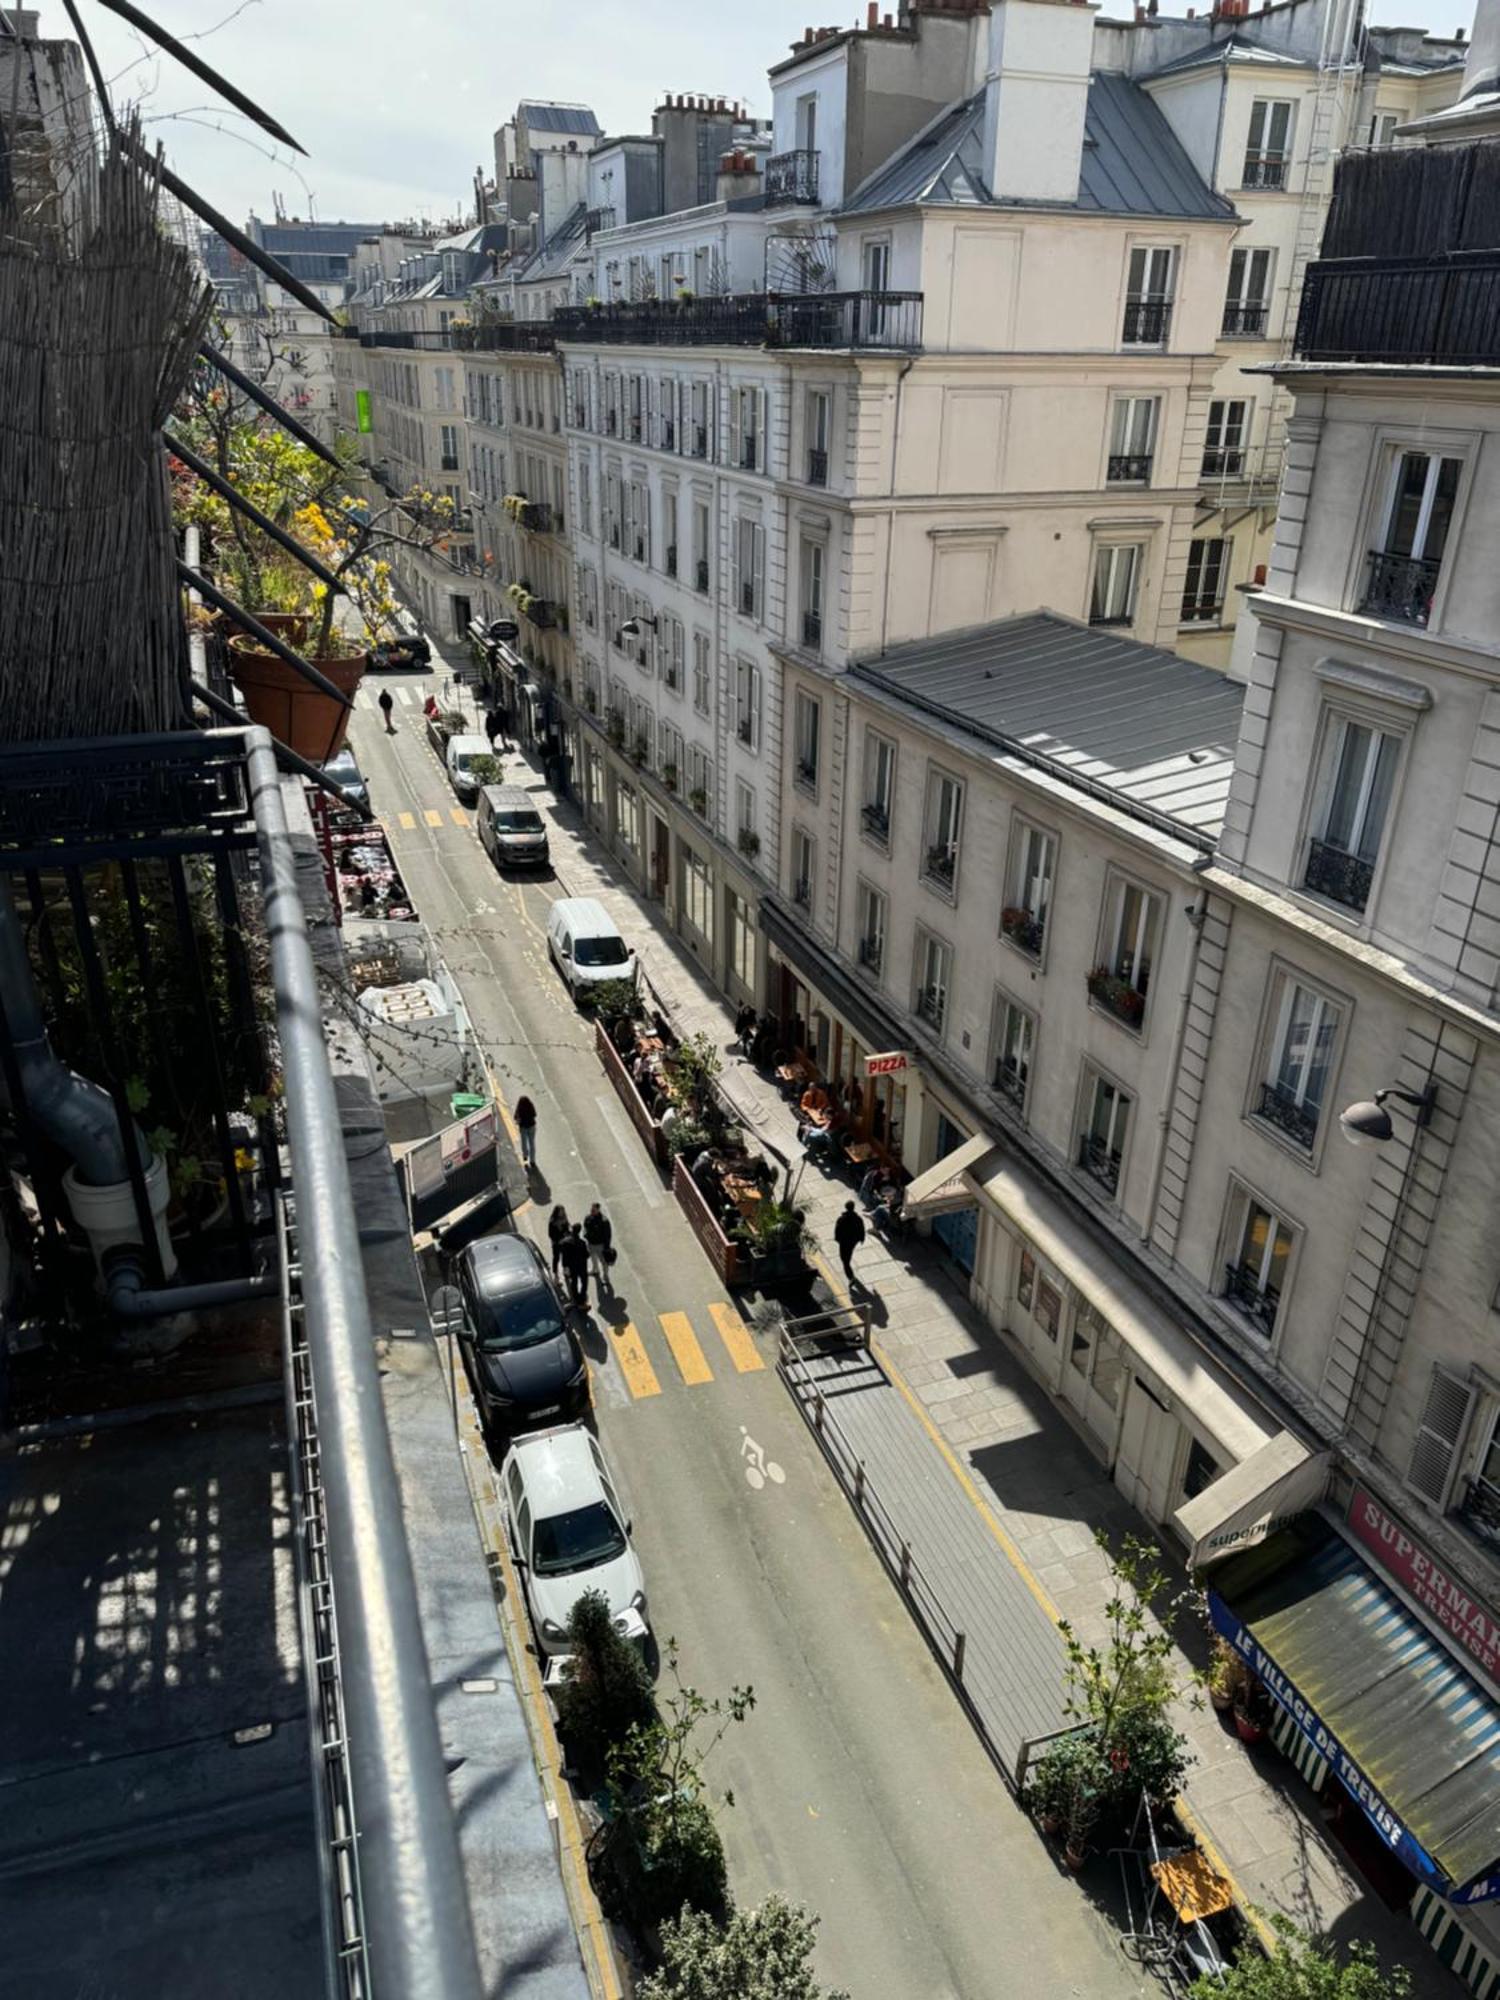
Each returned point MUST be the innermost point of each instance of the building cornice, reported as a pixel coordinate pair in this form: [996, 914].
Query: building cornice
[1401, 642]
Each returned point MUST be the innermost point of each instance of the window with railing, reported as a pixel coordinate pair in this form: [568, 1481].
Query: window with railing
[1258, 1256]
[802, 862]
[1224, 437]
[870, 923]
[819, 424]
[811, 564]
[1010, 1057]
[672, 642]
[750, 565]
[879, 787]
[1150, 282]
[1132, 440]
[1105, 1130]
[1403, 572]
[747, 703]
[1203, 583]
[1246, 300]
[1356, 782]
[807, 724]
[1268, 143]
[792, 177]
[666, 414]
[1127, 946]
[1028, 891]
[1304, 1035]
[934, 981]
[1116, 575]
[702, 673]
[697, 421]
[744, 428]
[943, 826]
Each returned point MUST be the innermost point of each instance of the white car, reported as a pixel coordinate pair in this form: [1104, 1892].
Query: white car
[569, 1533]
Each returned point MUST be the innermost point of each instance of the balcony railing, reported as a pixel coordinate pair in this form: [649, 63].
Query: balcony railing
[1279, 1108]
[1258, 1302]
[449, 461]
[1438, 310]
[700, 574]
[667, 441]
[1264, 170]
[747, 600]
[1024, 929]
[503, 336]
[817, 467]
[812, 630]
[1201, 610]
[1400, 587]
[1100, 1163]
[792, 177]
[941, 864]
[1225, 461]
[538, 518]
[802, 893]
[670, 559]
[749, 453]
[700, 441]
[871, 953]
[1146, 322]
[807, 773]
[755, 319]
[1130, 468]
[1244, 319]
[1342, 877]
[876, 821]
[932, 1006]
[1010, 1080]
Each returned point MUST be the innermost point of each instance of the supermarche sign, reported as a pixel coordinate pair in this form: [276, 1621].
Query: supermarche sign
[1423, 1577]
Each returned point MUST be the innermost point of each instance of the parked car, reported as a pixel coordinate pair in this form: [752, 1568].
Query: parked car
[460, 757]
[524, 1358]
[569, 1533]
[346, 774]
[586, 944]
[410, 651]
[511, 830]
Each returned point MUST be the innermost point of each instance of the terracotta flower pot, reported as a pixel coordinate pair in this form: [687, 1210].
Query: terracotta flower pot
[1222, 1699]
[1050, 1822]
[277, 697]
[1247, 1728]
[1075, 1856]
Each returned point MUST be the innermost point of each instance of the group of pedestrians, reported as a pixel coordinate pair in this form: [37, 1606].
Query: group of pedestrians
[581, 1249]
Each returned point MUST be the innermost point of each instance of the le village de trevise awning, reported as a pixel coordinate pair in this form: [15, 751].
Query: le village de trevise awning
[1377, 1696]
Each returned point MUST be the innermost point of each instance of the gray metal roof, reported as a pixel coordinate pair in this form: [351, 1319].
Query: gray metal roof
[1133, 163]
[1234, 49]
[541, 117]
[554, 256]
[1146, 725]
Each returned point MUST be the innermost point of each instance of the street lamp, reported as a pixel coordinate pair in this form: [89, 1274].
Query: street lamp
[631, 629]
[1368, 1123]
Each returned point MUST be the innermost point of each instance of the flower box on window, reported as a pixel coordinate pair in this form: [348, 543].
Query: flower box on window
[1117, 996]
[1023, 929]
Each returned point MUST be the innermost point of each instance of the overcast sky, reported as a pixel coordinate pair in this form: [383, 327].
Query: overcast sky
[396, 101]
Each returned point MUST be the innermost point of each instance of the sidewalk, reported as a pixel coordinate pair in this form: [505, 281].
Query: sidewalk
[992, 1427]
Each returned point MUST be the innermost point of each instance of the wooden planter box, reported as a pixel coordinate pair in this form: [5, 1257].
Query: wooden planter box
[630, 1097]
[727, 1258]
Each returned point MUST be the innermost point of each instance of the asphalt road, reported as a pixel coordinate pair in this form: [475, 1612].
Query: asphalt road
[859, 1788]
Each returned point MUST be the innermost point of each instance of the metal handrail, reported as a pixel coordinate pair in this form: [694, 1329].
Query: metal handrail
[421, 1940]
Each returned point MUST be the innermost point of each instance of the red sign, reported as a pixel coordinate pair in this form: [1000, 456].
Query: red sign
[1423, 1577]
[883, 1065]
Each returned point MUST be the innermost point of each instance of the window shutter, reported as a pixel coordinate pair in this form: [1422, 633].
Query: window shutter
[734, 426]
[1440, 1432]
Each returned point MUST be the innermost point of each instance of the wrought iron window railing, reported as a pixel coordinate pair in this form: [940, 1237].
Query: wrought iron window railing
[1024, 929]
[812, 630]
[1342, 877]
[941, 863]
[876, 821]
[1009, 1079]
[817, 467]
[792, 177]
[1244, 319]
[755, 319]
[1223, 461]
[1259, 1303]
[1400, 587]
[1146, 323]
[1264, 170]
[1298, 1120]
[1100, 1163]
[1130, 467]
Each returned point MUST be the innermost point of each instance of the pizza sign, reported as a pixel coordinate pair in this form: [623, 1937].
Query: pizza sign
[886, 1064]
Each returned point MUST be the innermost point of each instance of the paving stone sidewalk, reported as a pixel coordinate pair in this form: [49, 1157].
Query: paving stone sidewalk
[1048, 1493]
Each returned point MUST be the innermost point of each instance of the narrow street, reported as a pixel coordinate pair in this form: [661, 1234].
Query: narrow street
[859, 1788]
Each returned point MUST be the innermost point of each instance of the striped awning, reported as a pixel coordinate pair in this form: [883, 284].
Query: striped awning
[1407, 1730]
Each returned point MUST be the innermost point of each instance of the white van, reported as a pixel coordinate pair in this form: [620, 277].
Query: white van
[460, 756]
[585, 943]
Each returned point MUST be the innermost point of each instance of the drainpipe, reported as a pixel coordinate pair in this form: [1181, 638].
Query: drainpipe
[890, 551]
[1197, 916]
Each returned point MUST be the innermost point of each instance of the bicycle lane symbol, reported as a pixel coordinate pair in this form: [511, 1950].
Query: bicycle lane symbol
[758, 1468]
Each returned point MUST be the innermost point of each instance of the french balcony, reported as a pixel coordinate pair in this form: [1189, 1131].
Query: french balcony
[1224, 462]
[1201, 611]
[1400, 587]
[1117, 996]
[1259, 1303]
[449, 461]
[1147, 322]
[932, 1007]
[1341, 877]
[807, 773]
[812, 630]
[1440, 310]
[1264, 170]
[1298, 1121]
[1100, 1162]
[1130, 468]
[1024, 929]
[667, 440]
[871, 953]
[747, 600]
[941, 865]
[670, 559]
[700, 575]
[1244, 319]
[1009, 1078]
[538, 518]
[802, 893]
[792, 177]
[876, 821]
[817, 467]
[749, 453]
[700, 441]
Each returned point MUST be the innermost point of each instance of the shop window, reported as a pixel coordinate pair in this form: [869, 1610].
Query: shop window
[1097, 1353]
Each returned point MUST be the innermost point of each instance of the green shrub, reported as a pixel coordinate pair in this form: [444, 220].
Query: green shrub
[759, 1954]
[605, 1690]
[1306, 1968]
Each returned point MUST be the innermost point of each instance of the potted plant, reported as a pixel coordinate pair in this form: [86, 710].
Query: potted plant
[1224, 1675]
[1252, 1710]
[748, 841]
[669, 776]
[698, 799]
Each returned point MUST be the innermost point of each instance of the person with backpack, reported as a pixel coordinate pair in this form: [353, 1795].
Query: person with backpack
[575, 1262]
[526, 1127]
[599, 1236]
[557, 1230]
[849, 1233]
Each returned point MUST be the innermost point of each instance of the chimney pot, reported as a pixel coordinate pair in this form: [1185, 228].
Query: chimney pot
[872, 14]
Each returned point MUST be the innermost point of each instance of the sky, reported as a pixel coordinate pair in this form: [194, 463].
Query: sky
[397, 101]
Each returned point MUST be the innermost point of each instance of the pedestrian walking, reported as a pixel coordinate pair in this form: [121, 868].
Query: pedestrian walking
[600, 1237]
[575, 1263]
[849, 1233]
[386, 705]
[744, 1028]
[526, 1126]
[558, 1226]
[494, 727]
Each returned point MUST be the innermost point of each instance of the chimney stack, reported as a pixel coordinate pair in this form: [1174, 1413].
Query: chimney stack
[739, 175]
[1036, 98]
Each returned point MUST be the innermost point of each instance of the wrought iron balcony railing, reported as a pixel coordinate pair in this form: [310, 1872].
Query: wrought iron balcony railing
[1299, 1121]
[807, 773]
[1147, 322]
[792, 177]
[1400, 587]
[1264, 170]
[1259, 1303]
[871, 953]
[932, 1006]
[700, 574]
[817, 467]
[1480, 1509]
[1100, 1163]
[941, 864]
[876, 821]
[1009, 1079]
[1206, 610]
[1117, 996]
[669, 560]
[1341, 877]
[755, 319]
[1442, 311]
[812, 630]
[1130, 468]
[1244, 319]
[1223, 461]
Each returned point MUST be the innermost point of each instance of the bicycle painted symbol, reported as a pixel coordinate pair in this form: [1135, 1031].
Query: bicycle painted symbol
[759, 1468]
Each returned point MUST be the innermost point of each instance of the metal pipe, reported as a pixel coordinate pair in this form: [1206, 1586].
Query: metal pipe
[131, 1297]
[421, 1940]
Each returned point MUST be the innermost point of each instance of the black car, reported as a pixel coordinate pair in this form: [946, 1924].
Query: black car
[410, 650]
[524, 1358]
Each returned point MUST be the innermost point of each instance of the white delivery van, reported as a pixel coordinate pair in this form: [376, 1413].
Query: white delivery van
[585, 943]
[460, 757]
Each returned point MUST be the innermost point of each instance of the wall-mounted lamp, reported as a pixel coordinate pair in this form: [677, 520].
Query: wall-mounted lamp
[1369, 1123]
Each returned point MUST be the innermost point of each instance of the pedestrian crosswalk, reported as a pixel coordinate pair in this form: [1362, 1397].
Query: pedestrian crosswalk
[674, 1351]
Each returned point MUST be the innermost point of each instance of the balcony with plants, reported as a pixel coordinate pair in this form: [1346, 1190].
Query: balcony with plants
[1024, 928]
[1122, 996]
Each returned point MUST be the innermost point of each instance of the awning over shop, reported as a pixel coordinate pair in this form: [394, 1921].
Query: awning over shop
[1253, 1499]
[1408, 1731]
[859, 1007]
[1207, 1398]
[943, 1187]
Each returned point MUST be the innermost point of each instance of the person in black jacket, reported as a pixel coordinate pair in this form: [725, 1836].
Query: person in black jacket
[575, 1262]
[557, 1229]
[849, 1233]
[526, 1126]
[599, 1236]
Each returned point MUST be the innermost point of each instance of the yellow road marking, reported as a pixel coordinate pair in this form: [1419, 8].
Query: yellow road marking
[960, 1472]
[743, 1351]
[433, 818]
[458, 816]
[635, 1363]
[408, 822]
[689, 1356]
